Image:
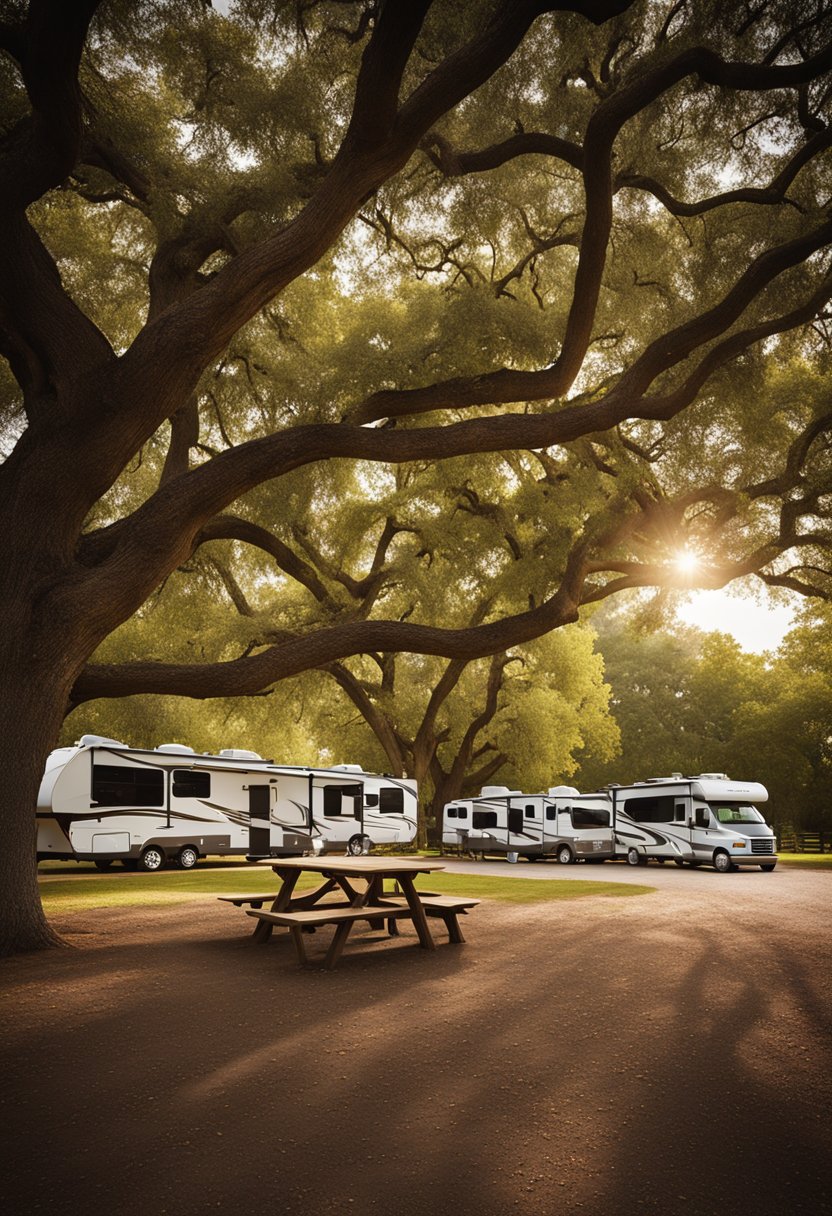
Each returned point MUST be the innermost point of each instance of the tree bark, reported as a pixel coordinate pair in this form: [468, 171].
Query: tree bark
[31, 710]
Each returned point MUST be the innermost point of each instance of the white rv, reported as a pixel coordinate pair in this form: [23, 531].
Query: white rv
[561, 823]
[705, 820]
[102, 801]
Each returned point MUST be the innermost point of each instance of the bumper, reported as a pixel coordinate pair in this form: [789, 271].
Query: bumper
[744, 857]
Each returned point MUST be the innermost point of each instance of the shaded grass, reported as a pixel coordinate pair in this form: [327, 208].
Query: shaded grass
[81, 893]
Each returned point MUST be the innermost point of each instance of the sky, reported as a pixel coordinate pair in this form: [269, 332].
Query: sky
[756, 624]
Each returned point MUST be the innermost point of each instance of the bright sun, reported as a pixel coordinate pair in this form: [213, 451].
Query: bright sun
[686, 561]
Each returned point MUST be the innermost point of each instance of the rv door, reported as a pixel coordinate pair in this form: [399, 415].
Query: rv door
[260, 836]
[515, 825]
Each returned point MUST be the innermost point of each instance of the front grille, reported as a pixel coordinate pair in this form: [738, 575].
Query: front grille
[762, 846]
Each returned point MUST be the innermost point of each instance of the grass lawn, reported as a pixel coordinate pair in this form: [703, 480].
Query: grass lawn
[80, 894]
[808, 861]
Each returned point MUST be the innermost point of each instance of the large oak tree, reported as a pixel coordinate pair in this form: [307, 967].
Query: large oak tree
[595, 231]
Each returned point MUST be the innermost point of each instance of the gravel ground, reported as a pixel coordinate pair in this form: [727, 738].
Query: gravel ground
[664, 1054]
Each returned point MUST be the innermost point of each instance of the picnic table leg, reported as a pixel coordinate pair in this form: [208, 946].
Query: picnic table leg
[452, 925]
[420, 921]
[297, 938]
[342, 932]
[263, 929]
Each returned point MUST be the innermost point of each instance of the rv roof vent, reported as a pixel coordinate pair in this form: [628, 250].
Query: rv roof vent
[494, 791]
[99, 741]
[562, 791]
[348, 768]
[176, 749]
[238, 753]
[676, 776]
[715, 776]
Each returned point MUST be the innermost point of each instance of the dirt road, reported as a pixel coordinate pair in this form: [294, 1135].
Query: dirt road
[663, 1054]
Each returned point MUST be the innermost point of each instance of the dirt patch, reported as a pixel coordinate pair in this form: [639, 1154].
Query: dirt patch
[603, 1056]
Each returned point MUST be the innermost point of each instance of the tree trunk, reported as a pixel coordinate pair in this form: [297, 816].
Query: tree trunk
[447, 787]
[31, 711]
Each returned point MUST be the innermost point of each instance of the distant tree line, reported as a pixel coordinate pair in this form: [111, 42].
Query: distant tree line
[691, 702]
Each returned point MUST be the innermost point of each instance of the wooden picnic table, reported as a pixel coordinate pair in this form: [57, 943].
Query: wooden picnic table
[360, 882]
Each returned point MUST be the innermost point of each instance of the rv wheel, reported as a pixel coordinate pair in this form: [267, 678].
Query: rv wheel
[103, 863]
[722, 862]
[152, 859]
[767, 869]
[634, 858]
[565, 855]
[678, 861]
[188, 857]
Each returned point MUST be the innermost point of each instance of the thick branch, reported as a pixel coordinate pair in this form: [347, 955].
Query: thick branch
[317, 650]
[42, 149]
[232, 527]
[382, 728]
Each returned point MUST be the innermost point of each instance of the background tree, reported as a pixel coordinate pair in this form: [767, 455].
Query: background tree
[241, 246]
[690, 702]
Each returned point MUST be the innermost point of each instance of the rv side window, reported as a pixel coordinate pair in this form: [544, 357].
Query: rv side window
[334, 796]
[371, 799]
[452, 812]
[651, 810]
[529, 812]
[462, 811]
[551, 812]
[589, 817]
[187, 784]
[484, 819]
[680, 814]
[391, 800]
[115, 785]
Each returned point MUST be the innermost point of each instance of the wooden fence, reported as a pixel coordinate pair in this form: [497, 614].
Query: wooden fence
[805, 842]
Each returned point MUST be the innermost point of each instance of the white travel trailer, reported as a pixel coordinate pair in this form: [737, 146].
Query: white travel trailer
[705, 820]
[103, 801]
[561, 823]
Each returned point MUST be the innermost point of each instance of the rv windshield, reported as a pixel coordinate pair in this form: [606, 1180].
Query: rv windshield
[735, 812]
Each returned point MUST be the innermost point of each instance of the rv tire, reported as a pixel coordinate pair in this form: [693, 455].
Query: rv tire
[767, 869]
[722, 862]
[130, 863]
[677, 861]
[188, 857]
[103, 863]
[565, 855]
[152, 859]
[634, 858]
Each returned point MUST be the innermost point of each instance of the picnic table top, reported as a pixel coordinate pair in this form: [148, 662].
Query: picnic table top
[334, 864]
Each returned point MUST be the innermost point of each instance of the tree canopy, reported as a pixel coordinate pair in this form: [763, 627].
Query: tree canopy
[256, 260]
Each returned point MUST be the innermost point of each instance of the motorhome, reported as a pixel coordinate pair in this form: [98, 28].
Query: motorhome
[705, 820]
[103, 800]
[561, 823]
